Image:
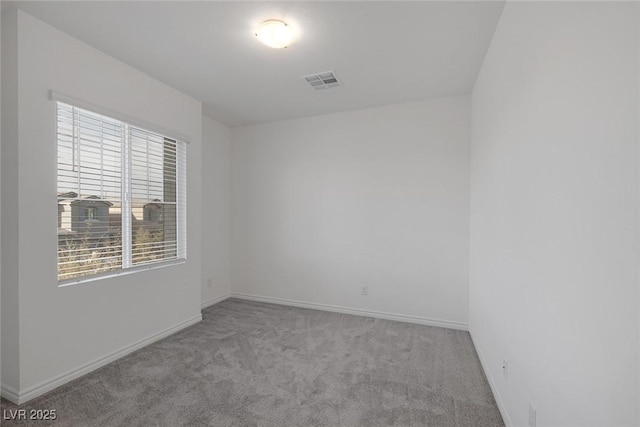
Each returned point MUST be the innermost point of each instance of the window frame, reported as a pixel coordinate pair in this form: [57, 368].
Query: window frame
[90, 212]
[182, 142]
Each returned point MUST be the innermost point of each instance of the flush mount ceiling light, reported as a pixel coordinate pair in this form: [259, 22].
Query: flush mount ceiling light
[274, 33]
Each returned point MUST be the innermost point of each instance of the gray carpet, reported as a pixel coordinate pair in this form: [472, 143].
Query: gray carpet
[256, 364]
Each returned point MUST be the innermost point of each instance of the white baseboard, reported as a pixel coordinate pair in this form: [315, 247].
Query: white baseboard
[492, 384]
[212, 301]
[39, 389]
[9, 393]
[356, 311]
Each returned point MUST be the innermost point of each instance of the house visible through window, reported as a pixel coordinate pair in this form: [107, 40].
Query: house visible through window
[121, 195]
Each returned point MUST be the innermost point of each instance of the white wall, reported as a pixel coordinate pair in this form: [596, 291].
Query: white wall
[61, 329]
[554, 202]
[638, 262]
[9, 270]
[0, 198]
[379, 197]
[216, 206]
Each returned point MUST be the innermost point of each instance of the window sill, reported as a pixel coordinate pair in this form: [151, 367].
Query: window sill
[118, 273]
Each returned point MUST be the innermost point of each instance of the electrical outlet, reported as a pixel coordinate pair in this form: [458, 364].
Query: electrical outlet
[505, 368]
[532, 416]
[210, 283]
[365, 290]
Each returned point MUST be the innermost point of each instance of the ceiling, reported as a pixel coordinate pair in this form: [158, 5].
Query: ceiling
[383, 52]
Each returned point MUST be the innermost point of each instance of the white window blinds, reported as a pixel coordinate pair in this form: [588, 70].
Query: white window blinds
[121, 195]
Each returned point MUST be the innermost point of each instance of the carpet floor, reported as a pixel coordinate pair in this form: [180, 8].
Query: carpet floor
[257, 364]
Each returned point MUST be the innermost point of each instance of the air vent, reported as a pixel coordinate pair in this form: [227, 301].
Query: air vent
[322, 81]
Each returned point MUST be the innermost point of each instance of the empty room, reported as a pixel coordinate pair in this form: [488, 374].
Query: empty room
[309, 213]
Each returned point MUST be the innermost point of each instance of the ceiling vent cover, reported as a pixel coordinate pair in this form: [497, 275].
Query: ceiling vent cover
[322, 81]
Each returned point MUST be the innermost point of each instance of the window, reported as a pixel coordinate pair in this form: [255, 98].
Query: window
[121, 195]
[90, 213]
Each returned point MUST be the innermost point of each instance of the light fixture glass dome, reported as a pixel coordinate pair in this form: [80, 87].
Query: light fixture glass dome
[274, 33]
